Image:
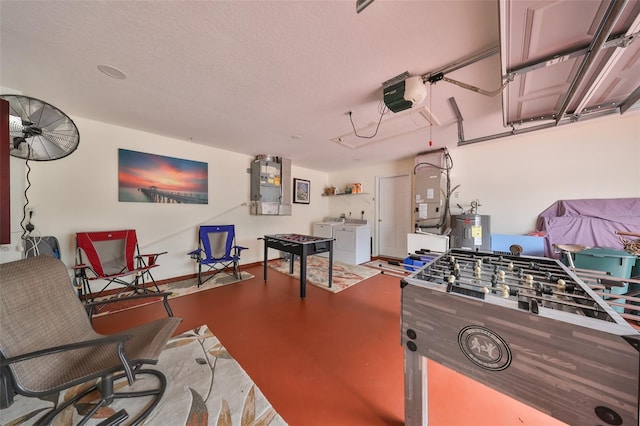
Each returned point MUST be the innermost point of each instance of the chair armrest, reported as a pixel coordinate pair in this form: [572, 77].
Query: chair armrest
[80, 271]
[118, 339]
[238, 249]
[164, 294]
[151, 258]
[64, 348]
[195, 254]
[152, 254]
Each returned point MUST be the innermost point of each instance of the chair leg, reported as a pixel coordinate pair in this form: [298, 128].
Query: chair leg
[106, 389]
[229, 268]
[153, 281]
[83, 287]
[155, 393]
[6, 388]
[236, 270]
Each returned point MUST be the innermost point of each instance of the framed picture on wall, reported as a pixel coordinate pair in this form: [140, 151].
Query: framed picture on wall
[301, 191]
[151, 178]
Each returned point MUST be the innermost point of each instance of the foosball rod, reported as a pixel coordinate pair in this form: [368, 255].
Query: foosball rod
[518, 285]
[538, 275]
[394, 271]
[407, 265]
[543, 268]
[428, 251]
[483, 273]
[527, 294]
[625, 315]
[539, 298]
[620, 296]
[603, 276]
[471, 258]
[421, 257]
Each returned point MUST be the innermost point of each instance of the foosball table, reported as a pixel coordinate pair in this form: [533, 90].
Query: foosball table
[525, 326]
[302, 246]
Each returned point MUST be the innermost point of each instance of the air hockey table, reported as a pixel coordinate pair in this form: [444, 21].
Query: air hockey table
[302, 246]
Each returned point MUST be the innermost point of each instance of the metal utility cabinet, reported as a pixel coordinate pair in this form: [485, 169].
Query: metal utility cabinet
[429, 190]
[271, 186]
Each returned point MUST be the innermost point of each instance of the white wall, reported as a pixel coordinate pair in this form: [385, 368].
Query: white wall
[516, 178]
[365, 174]
[80, 193]
[353, 205]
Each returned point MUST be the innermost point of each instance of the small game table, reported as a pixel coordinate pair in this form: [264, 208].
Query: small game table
[303, 246]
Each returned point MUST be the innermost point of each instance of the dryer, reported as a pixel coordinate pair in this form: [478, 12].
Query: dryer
[352, 242]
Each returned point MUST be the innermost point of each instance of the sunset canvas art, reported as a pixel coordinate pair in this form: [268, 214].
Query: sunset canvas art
[150, 178]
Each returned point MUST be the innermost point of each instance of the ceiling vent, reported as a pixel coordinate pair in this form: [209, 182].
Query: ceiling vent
[393, 126]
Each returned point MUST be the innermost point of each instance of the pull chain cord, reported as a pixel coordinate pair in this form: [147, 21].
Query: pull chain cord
[431, 114]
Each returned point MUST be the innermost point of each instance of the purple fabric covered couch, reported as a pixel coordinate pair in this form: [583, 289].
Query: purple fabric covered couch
[590, 222]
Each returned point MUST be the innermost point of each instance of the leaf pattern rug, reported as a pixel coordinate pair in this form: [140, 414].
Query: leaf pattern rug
[344, 275]
[177, 288]
[205, 386]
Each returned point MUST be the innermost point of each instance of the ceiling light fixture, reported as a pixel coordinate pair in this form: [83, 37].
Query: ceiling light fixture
[112, 72]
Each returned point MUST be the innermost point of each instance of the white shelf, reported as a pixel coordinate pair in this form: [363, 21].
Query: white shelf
[344, 193]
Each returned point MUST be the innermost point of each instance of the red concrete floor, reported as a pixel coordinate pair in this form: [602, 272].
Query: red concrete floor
[331, 359]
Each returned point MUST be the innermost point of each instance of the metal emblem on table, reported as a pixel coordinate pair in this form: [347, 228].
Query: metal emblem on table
[484, 348]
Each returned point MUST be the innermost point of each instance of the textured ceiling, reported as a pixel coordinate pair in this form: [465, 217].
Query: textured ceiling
[256, 77]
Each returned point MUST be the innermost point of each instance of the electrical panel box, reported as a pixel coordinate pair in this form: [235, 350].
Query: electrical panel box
[429, 192]
[270, 186]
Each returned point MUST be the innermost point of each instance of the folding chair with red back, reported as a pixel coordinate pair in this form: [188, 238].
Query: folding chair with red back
[113, 256]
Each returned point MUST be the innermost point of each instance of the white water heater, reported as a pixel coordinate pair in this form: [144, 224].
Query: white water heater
[470, 232]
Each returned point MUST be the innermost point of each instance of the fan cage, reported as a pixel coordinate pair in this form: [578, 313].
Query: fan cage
[39, 131]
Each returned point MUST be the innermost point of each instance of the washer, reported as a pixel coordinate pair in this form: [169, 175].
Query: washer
[324, 229]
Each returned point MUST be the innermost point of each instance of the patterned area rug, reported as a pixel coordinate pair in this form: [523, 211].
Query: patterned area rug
[205, 386]
[177, 288]
[344, 275]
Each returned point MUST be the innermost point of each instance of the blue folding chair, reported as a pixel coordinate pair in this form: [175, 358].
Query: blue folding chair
[217, 251]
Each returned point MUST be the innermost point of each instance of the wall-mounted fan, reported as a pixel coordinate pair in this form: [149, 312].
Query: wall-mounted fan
[39, 131]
